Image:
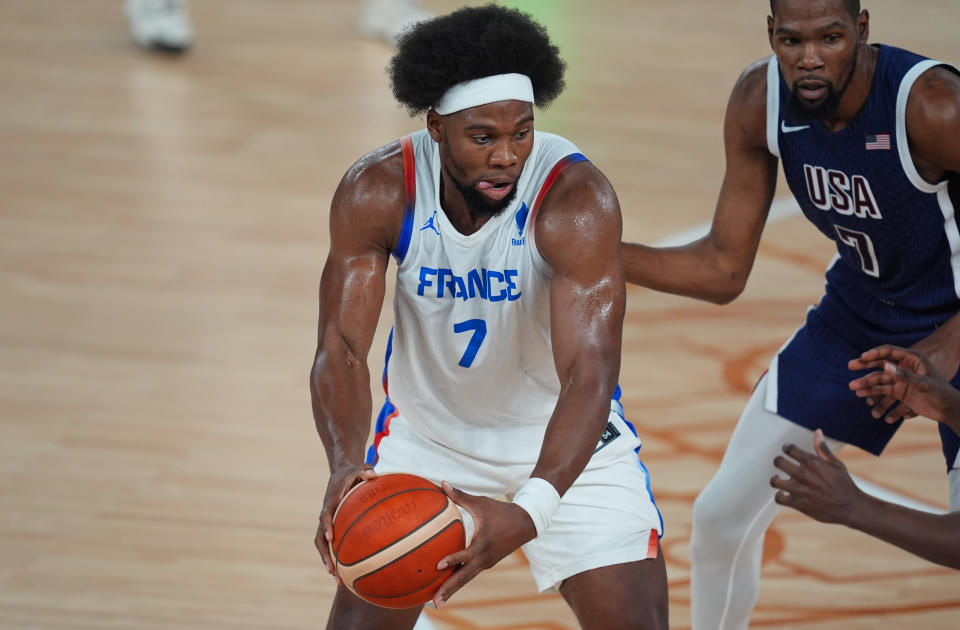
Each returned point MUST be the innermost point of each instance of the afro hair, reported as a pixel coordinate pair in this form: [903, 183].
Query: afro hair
[472, 43]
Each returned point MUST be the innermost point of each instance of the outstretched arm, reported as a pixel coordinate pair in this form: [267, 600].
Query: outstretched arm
[715, 268]
[364, 217]
[820, 486]
[578, 233]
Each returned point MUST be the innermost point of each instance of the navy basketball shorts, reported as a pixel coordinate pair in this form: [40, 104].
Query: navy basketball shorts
[809, 380]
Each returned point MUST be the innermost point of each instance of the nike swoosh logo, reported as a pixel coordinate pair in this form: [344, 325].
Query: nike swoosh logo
[785, 129]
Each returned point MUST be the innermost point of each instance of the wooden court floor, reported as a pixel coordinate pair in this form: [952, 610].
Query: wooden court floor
[162, 232]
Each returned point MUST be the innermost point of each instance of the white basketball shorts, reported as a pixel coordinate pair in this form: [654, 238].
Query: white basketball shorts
[607, 517]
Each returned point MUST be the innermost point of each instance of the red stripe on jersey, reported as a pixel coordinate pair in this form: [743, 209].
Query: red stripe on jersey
[409, 174]
[385, 432]
[558, 168]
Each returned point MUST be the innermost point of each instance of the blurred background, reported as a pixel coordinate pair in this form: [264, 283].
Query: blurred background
[163, 225]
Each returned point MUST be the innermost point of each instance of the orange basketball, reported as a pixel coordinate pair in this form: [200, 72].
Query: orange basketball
[389, 533]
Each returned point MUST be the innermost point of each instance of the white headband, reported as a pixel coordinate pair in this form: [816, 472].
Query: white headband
[499, 87]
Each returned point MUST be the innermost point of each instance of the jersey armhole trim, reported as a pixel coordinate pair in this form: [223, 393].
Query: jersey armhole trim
[558, 168]
[903, 142]
[773, 106]
[409, 198]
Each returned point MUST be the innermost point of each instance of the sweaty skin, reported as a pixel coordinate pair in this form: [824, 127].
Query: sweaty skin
[578, 233]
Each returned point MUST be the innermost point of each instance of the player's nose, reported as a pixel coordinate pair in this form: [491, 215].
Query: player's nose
[503, 155]
[810, 58]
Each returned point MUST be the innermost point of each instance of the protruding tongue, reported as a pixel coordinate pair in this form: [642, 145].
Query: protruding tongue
[494, 190]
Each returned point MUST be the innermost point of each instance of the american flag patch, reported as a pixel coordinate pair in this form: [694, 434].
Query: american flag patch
[879, 142]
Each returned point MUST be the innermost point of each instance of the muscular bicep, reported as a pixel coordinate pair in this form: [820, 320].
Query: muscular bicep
[933, 123]
[363, 227]
[580, 238]
[351, 295]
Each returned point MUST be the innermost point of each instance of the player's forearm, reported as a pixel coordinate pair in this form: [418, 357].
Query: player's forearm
[933, 537]
[693, 270]
[340, 395]
[573, 432]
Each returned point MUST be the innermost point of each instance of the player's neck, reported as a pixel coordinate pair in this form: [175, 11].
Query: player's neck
[458, 211]
[858, 90]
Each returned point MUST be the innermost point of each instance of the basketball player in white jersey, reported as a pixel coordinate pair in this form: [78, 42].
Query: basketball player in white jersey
[502, 365]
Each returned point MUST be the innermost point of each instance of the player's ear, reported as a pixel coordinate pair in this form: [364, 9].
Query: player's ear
[770, 29]
[435, 125]
[863, 26]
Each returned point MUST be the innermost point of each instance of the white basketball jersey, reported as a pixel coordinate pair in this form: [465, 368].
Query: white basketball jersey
[470, 363]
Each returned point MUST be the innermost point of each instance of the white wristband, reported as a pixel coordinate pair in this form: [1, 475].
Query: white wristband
[540, 500]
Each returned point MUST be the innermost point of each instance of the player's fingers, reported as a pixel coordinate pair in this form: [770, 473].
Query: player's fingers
[322, 544]
[783, 498]
[460, 577]
[464, 556]
[362, 475]
[326, 522]
[821, 449]
[786, 484]
[858, 365]
[885, 404]
[896, 372]
[457, 495]
[897, 413]
[873, 393]
[788, 466]
[878, 377]
[881, 353]
[796, 452]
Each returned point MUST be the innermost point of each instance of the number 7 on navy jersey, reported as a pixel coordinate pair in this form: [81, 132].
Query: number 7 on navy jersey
[479, 328]
[864, 246]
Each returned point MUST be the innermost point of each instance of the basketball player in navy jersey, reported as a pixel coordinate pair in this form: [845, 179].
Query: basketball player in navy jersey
[502, 365]
[868, 136]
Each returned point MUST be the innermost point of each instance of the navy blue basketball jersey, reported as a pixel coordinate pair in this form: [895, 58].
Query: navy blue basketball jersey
[897, 235]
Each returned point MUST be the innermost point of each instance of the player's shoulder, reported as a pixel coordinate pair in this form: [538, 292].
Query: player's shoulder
[368, 203]
[746, 120]
[580, 206]
[750, 89]
[378, 175]
[933, 120]
[575, 184]
[580, 188]
[935, 96]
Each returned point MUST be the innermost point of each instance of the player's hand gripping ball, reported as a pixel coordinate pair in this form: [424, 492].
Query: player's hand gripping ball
[389, 533]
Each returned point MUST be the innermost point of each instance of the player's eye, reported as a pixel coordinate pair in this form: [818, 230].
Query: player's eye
[833, 38]
[481, 139]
